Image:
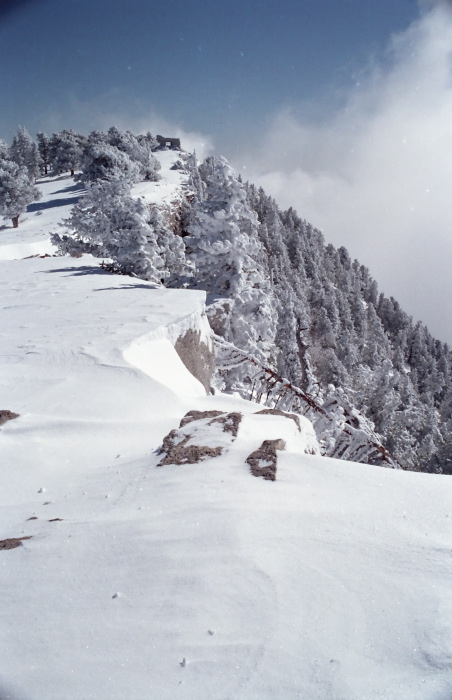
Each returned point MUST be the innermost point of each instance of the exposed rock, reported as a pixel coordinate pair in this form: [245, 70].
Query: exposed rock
[198, 358]
[230, 422]
[13, 542]
[263, 461]
[278, 412]
[198, 415]
[181, 453]
[5, 416]
[196, 439]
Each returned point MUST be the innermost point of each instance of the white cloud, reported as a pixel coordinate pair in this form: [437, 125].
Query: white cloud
[377, 175]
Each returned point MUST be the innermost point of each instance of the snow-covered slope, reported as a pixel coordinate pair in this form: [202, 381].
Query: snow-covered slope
[193, 580]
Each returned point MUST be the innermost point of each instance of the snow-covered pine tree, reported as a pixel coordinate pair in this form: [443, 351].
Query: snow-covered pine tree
[16, 189]
[195, 184]
[25, 153]
[178, 269]
[230, 264]
[109, 223]
[101, 161]
[148, 140]
[139, 151]
[4, 150]
[44, 151]
[66, 149]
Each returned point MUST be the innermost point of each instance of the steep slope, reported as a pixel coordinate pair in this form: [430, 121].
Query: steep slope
[192, 580]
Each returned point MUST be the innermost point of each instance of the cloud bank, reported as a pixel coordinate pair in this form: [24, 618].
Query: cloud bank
[376, 176]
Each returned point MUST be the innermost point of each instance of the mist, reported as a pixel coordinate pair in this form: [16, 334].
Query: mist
[376, 175]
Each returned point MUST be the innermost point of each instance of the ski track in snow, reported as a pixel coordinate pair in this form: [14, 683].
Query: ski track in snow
[190, 581]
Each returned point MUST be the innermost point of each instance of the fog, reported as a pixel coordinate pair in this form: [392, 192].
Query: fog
[376, 175]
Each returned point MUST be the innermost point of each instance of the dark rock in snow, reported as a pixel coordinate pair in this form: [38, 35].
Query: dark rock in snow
[198, 429]
[13, 542]
[263, 461]
[230, 422]
[198, 415]
[181, 453]
[5, 416]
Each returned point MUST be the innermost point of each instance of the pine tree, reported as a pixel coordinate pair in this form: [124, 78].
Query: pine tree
[138, 150]
[227, 254]
[229, 260]
[44, 151]
[16, 190]
[101, 161]
[66, 149]
[25, 153]
[109, 223]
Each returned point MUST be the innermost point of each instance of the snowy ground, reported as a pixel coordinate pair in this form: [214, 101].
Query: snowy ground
[193, 582]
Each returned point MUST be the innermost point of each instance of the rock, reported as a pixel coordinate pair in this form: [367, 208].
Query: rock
[229, 421]
[181, 453]
[263, 461]
[197, 439]
[5, 416]
[13, 542]
[197, 356]
[284, 414]
[198, 415]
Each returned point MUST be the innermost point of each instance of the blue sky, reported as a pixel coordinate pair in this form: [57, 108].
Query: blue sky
[341, 109]
[216, 67]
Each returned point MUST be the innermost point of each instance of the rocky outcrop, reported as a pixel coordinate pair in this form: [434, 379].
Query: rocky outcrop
[197, 356]
[229, 421]
[201, 435]
[206, 434]
[179, 452]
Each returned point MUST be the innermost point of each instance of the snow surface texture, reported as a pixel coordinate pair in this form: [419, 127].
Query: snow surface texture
[190, 581]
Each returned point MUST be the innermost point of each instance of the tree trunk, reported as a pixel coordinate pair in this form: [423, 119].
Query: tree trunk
[15, 220]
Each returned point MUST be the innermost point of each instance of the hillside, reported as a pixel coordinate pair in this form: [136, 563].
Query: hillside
[199, 580]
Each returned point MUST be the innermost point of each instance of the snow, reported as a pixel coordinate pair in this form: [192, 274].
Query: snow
[198, 580]
[159, 360]
[167, 191]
